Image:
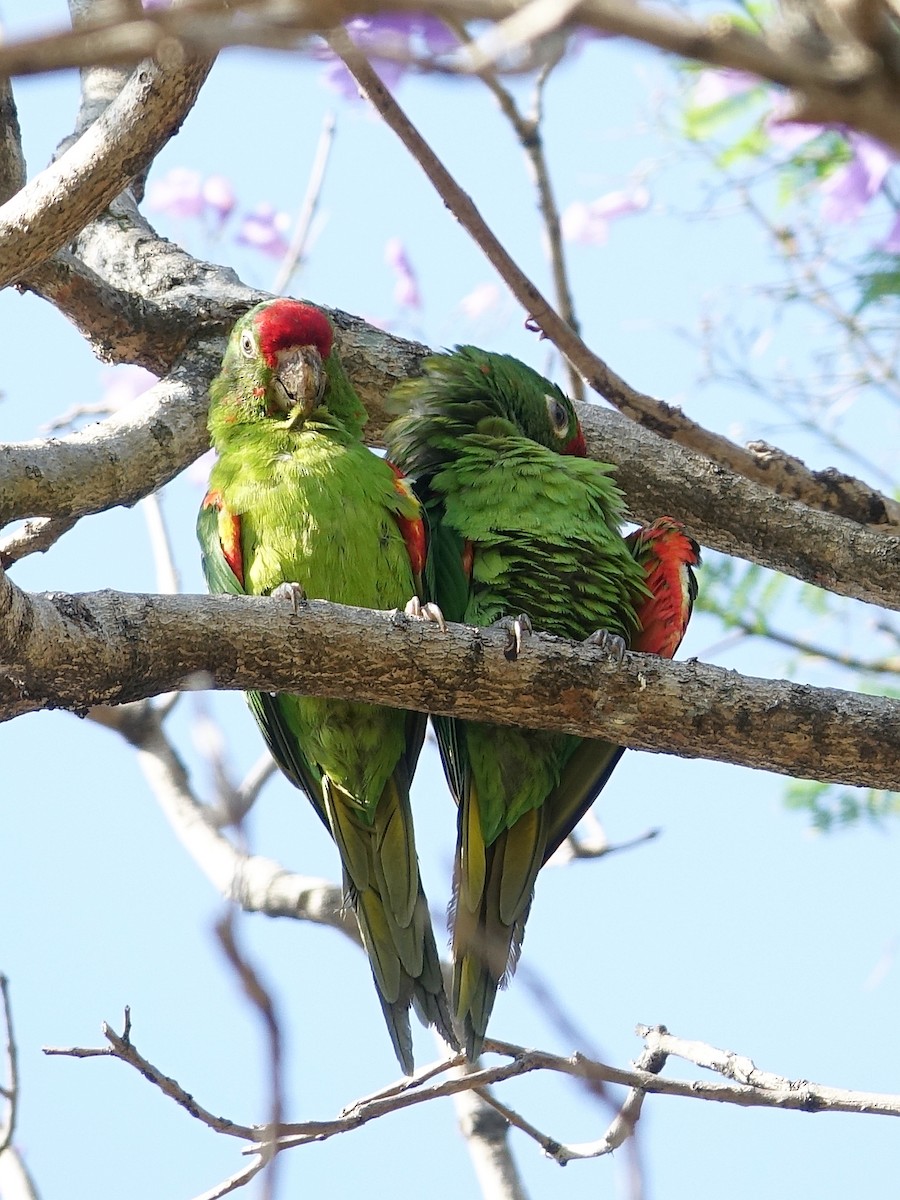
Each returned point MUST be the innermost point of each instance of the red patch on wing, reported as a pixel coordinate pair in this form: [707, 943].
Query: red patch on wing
[285, 323]
[668, 554]
[577, 444]
[412, 528]
[229, 534]
[468, 558]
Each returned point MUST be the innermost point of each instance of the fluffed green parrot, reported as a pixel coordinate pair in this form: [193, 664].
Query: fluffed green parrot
[296, 498]
[522, 523]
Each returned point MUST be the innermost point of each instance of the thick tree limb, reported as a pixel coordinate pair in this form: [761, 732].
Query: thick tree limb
[50, 210]
[116, 461]
[71, 651]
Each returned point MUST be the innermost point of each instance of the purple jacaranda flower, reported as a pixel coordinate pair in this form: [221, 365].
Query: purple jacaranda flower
[264, 229]
[218, 196]
[179, 193]
[406, 289]
[588, 223]
[393, 34]
[789, 136]
[849, 189]
[712, 87]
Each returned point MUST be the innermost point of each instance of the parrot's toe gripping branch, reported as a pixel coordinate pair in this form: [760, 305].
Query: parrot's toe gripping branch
[610, 644]
[293, 593]
[422, 612]
[518, 630]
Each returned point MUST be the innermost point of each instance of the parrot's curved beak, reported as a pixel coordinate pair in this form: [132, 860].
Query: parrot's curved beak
[299, 381]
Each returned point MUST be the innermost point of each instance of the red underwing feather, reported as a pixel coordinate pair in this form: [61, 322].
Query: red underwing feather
[286, 323]
[668, 554]
[412, 528]
[229, 534]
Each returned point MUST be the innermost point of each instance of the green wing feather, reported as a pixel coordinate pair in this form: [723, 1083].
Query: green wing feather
[296, 497]
[484, 437]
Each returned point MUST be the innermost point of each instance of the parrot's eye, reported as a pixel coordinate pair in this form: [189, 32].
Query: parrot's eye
[559, 415]
[248, 346]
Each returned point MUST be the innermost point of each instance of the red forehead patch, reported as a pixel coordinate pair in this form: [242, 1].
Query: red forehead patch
[287, 323]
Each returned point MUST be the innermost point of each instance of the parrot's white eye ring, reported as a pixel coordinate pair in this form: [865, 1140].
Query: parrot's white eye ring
[248, 346]
[559, 415]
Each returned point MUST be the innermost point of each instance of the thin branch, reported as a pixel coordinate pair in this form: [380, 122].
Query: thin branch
[15, 1181]
[33, 537]
[123, 1048]
[235, 1181]
[577, 848]
[253, 882]
[528, 133]
[766, 1090]
[167, 580]
[261, 999]
[718, 41]
[310, 203]
[10, 1090]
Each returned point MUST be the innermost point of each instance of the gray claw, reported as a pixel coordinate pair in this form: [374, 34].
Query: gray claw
[292, 592]
[518, 630]
[611, 644]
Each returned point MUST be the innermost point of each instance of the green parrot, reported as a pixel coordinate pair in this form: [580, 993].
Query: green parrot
[297, 499]
[522, 523]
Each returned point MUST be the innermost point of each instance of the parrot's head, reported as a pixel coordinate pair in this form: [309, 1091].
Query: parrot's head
[474, 393]
[545, 414]
[275, 367]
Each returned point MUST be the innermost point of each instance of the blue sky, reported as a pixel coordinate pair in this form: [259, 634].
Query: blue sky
[737, 926]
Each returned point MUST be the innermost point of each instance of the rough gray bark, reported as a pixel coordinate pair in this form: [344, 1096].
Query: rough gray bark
[72, 651]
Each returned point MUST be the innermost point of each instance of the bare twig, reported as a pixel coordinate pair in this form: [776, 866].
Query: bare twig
[261, 998]
[755, 1089]
[310, 203]
[33, 537]
[122, 1047]
[528, 132]
[255, 883]
[167, 581]
[10, 1090]
[577, 847]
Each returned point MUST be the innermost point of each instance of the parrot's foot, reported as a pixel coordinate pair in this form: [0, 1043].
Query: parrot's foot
[611, 645]
[293, 593]
[518, 630]
[418, 611]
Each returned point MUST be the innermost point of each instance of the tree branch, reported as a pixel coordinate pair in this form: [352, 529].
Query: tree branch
[57, 204]
[252, 881]
[72, 651]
